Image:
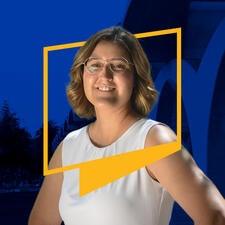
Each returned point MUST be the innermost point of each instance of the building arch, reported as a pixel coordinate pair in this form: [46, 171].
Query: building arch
[216, 134]
[197, 92]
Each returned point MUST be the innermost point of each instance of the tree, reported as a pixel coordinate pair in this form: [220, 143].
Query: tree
[36, 148]
[14, 140]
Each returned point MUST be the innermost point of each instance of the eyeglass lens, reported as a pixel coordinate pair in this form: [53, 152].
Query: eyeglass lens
[116, 65]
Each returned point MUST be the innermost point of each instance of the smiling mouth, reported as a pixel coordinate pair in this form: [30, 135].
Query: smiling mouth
[105, 89]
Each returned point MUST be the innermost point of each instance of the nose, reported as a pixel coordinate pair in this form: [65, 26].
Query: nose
[106, 72]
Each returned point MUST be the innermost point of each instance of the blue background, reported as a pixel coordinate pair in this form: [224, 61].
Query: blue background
[28, 26]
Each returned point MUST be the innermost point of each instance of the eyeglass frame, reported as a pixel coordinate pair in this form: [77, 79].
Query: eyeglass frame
[107, 60]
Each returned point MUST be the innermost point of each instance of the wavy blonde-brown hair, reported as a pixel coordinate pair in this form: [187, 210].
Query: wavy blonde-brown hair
[144, 95]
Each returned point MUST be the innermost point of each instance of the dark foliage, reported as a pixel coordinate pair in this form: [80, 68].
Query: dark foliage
[21, 156]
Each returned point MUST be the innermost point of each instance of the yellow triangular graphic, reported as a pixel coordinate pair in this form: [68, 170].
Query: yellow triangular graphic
[97, 173]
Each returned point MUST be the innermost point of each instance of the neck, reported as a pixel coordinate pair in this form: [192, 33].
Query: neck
[114, 118]
[109, 126]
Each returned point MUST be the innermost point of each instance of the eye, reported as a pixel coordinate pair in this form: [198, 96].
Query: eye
[93, 65]
[119, 66]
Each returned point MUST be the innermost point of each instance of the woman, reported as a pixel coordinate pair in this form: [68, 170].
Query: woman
[110, 80]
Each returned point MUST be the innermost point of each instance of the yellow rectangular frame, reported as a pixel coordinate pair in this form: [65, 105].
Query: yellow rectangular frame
[47, 49]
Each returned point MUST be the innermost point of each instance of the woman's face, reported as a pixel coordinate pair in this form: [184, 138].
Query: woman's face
[108, 77]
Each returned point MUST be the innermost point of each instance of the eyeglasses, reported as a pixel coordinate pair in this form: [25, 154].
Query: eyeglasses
[116, 65]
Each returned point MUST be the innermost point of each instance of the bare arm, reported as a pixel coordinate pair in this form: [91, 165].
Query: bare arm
[45, 210]
[188, 185]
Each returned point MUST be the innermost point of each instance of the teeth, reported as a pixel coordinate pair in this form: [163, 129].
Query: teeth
[105, 88]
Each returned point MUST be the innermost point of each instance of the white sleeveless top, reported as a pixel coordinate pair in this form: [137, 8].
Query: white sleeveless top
[135, 199]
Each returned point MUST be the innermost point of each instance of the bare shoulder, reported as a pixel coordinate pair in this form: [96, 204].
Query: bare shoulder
[159, 134]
